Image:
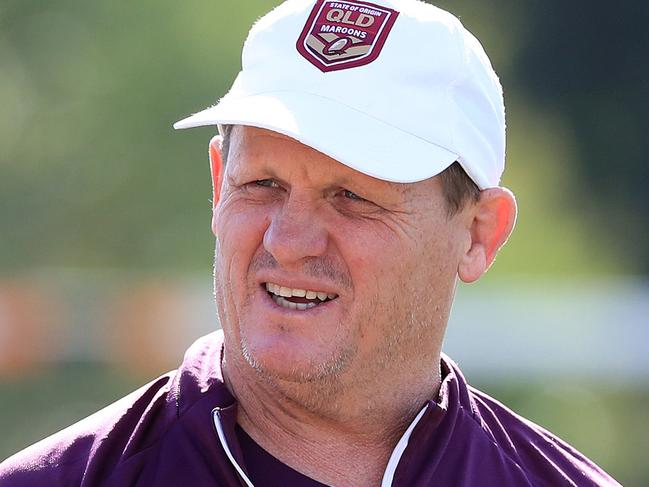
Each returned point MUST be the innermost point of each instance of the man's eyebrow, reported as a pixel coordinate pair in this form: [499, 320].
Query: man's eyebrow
[377, 188]
[256, 170]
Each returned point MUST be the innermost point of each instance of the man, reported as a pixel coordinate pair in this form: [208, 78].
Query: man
[355, 179]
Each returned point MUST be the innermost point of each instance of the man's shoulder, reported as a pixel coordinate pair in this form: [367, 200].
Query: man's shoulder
[64, 456]
[98, 444]
[544, 458]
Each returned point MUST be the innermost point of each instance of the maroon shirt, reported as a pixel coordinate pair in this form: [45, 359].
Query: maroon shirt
[264, 469]
[180, 430]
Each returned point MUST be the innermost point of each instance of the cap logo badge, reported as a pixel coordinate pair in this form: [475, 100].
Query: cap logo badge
[345, 34]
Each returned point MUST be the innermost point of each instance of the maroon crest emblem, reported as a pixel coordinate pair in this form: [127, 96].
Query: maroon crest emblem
[345, 34]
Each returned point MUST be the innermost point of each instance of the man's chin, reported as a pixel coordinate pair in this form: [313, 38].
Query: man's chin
[283, 361]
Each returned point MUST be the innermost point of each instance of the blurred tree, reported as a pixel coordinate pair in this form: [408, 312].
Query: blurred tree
[591, 61]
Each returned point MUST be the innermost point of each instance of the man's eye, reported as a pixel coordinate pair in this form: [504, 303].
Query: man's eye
[267, 183]
[351, 195]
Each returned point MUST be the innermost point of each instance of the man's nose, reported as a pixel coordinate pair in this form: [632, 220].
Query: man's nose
[296, 232]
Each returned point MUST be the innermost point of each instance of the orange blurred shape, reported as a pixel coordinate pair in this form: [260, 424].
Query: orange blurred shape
[31, 326]
[147, 327]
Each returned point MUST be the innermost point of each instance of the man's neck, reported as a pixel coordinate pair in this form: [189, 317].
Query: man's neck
[347, 443]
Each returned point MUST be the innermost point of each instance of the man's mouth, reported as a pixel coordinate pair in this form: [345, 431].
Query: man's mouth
[299, 299]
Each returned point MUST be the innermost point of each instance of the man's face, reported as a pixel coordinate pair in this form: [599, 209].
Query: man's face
[381, 257]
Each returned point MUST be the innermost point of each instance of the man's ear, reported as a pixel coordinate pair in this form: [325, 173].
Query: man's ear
[216, 166]
[492, 221]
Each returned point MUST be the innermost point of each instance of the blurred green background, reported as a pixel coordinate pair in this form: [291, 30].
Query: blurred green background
[99, 197]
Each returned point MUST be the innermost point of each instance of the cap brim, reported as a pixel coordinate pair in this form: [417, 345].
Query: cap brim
[345, 134]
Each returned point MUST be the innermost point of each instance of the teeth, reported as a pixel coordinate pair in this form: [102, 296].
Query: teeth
[272, 288]
[280, 292]
[289, 305]
[287, 292]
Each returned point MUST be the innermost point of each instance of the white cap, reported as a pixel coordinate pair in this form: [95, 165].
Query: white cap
[396, 89]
